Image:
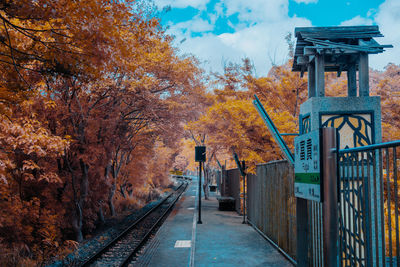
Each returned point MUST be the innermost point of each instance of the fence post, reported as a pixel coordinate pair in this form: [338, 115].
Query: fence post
[330, 196]
[302, 232]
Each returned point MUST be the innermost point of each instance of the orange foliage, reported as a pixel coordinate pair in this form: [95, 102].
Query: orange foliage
[231, 123]
[28, 179]
[93, 99]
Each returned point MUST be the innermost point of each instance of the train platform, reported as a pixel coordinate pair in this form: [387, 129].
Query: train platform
[221, 240]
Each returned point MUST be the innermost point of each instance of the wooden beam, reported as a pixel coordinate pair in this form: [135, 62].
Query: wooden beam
[363, 75]
[302, 60]
[352, 80]
[320, 75]
[330, 44]
[311, 80]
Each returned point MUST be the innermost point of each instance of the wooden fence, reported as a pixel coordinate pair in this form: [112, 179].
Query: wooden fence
[271, 205]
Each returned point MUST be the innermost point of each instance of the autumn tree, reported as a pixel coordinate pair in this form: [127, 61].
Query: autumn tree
[102, 86]
[29, 222]
[233, 124]
[387, 86]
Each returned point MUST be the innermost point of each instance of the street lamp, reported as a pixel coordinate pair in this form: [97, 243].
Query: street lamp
[200, 157]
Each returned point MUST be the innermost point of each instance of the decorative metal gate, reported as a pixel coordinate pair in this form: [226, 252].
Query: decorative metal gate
[369, 205]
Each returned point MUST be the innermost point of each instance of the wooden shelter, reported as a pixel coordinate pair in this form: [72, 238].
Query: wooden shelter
[321, 49]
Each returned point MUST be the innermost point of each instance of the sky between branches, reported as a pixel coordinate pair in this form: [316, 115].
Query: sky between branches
[218, 31]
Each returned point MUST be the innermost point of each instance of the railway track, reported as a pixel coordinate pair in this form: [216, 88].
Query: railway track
[122, 249]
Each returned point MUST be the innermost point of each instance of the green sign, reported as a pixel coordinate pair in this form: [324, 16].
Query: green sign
[307, 166]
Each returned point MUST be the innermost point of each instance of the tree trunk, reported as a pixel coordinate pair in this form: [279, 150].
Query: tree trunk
[100, 215]
[115, 168]
[110, 199]
[122, 190]
[77, 222]
[205, 184]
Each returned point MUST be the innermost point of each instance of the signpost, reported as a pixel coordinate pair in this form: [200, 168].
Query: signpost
[307, 166]
[200, 156]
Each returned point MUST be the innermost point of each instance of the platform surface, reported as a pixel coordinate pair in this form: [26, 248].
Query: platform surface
[222, 239]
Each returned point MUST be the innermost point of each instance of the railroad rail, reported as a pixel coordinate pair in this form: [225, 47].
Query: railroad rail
[122, 249]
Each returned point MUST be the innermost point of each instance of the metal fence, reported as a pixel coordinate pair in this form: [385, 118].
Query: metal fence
[369, 205]
[315, 229]
[271, 205]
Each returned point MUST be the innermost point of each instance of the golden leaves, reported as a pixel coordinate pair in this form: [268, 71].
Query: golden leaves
[233, 124]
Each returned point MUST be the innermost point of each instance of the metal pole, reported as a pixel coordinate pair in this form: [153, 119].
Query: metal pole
[330, 196]
[224, 177]
[199, 217]
[244, 193]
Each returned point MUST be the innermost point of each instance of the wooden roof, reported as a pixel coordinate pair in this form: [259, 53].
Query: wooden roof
[340, 45]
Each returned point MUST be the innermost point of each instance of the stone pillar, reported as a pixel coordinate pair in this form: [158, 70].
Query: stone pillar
[311, 80]
[320, 75]
[363, 75]
[352, 80]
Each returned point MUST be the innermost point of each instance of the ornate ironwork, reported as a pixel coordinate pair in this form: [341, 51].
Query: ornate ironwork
[306, 125]
[362, 128]
[352, 214]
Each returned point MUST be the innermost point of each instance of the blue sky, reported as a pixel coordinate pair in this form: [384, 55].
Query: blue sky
[218, 31]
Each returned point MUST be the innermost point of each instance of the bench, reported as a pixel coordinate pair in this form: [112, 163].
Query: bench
[226, 203]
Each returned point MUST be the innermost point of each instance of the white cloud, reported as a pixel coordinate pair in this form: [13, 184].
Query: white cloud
[388, 19]
[357, 21]
[257, 10]
[259, 34]
[198, 4]
[306, 1]
[197, 24]
[264, 44]
[259, 30]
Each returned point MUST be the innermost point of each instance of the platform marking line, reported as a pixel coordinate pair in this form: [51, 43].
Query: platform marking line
[183, 244]
[193, 247]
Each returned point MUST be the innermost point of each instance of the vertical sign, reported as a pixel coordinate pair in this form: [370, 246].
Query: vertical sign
[200, 153]
[307, 166]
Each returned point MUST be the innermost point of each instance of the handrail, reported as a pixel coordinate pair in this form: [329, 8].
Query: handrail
[370, 147]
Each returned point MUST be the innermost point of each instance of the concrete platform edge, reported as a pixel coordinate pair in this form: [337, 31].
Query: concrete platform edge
[287, 256]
